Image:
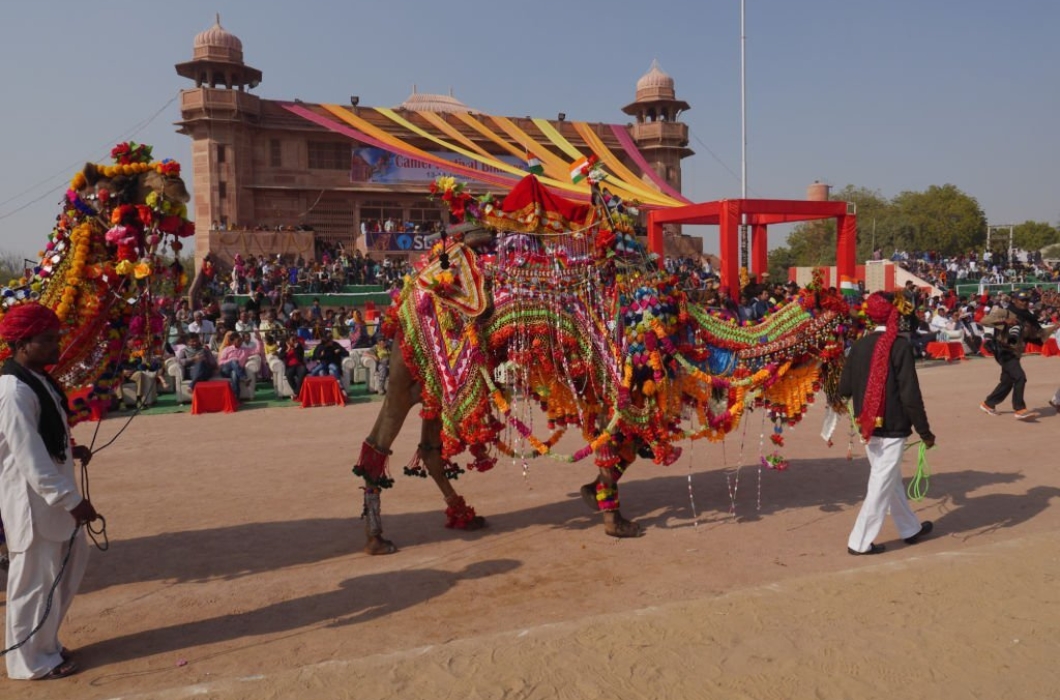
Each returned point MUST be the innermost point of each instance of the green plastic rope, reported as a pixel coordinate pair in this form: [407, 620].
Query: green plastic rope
[918, 485]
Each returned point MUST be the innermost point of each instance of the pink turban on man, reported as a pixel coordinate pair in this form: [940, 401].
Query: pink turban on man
[24, 321]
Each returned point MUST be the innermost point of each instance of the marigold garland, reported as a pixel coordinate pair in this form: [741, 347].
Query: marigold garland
[101, 282]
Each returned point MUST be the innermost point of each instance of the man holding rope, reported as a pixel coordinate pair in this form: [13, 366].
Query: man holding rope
[880, 374]
[39, 500]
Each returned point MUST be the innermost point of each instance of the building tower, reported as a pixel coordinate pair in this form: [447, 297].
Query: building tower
[218, 114]
[661, 138]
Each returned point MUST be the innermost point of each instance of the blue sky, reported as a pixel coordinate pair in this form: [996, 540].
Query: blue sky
[892, 96]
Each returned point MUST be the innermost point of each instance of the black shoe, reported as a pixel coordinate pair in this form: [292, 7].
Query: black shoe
[925, 529]
[873, 549]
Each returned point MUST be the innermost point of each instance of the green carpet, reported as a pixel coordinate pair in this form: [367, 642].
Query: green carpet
[264, 397]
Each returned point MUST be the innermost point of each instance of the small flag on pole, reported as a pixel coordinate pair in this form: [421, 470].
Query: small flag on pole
[533, 164]
[848, 287]
[579, 169]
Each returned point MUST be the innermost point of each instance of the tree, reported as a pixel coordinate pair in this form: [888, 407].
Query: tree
[873, 210]
[12, 266]
[1034, 235]
[942, 219]
[780, 259]
[814, 242]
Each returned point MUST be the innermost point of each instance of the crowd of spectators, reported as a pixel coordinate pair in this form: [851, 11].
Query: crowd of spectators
[983, 268]
[225, 226]
[271, 321]
[327, 273]
[392, 225]
[952, 317]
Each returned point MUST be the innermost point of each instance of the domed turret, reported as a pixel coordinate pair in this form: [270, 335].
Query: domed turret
[218, 44]
[656, 84]
[426, 102]
[217, 61]
[657, 132]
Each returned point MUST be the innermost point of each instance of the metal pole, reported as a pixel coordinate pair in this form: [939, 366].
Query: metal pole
[743, 100]
[743, 131]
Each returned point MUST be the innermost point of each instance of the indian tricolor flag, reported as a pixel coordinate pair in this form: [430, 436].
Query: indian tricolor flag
[533, 164]
[848, 287]
[579, 170]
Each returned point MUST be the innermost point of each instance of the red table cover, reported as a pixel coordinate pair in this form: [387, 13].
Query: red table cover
[321, 391]
[97, 407]
[213, 397]
[947, 351]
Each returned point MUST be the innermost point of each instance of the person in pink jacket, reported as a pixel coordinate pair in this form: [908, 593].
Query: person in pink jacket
[232, 360]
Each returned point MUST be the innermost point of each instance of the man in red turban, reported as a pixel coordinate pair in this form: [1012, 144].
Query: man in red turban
[27, 320]
[880, 375]
[40, 504]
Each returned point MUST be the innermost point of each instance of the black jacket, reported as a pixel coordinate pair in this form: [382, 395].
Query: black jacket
[903, 405]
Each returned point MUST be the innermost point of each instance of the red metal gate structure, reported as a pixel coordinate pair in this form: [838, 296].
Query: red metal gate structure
[760, 213]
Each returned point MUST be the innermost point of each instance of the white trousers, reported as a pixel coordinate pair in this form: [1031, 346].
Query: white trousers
[29, 579]
[885, 494]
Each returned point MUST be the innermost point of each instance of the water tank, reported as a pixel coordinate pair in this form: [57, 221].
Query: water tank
[818, 191]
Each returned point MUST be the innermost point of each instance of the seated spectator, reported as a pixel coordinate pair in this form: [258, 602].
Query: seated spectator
[271, 346]
[233, 360]
[294, 364]
[218, 337]
[359, 336]
[920, 336]
[973, 332]
[760, 306]
[269, 323]
[382, 366]
[145, 374]
[944, 327]
[196, 360]
[229, 310]
[202, 326]
[245, 324]
[329, 355]
[254, 303]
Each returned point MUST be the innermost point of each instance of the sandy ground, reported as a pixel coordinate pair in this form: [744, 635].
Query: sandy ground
[235, 569]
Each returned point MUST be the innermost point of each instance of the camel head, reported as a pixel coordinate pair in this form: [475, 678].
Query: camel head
[133, 188]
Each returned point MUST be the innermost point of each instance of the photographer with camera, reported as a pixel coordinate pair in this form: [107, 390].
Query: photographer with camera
[1013, 327]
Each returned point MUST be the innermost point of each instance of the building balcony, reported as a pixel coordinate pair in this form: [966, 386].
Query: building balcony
[663, 133]
[205, 101]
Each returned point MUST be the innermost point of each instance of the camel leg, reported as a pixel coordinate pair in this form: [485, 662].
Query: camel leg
[401, 396]
[459, 515]
[601, 495]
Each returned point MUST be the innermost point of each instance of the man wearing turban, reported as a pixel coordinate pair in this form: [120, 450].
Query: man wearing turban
[40, 503]
[880, 374]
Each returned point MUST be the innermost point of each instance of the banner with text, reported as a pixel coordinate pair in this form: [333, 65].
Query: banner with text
[398, 241]
[368, 164]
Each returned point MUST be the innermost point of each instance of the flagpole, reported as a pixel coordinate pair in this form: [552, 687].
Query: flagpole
[743, 132]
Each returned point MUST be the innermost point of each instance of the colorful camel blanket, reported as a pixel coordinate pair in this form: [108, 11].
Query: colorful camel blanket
[619, 353]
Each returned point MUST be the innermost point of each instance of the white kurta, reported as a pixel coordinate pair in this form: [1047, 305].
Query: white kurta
[36, 495]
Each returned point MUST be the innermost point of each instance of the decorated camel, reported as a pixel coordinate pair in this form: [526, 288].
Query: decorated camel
[103, 271]
[551, 315]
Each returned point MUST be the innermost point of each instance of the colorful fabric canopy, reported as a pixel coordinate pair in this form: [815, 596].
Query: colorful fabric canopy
[508, 136]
